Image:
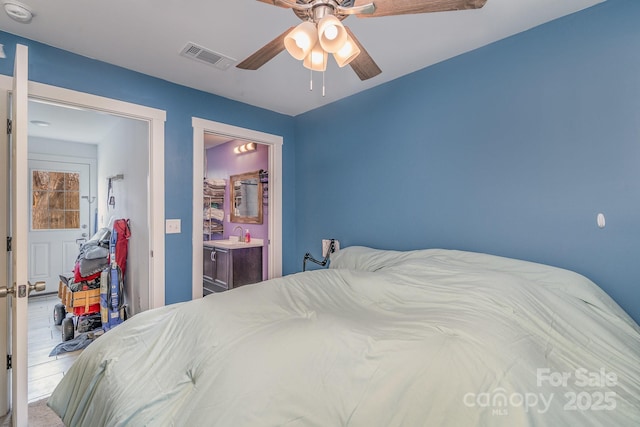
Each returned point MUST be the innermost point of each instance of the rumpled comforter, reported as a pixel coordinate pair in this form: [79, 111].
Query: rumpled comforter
[382, 338]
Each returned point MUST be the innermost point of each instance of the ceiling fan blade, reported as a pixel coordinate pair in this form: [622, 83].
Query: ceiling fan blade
[364, 66]
[404, 7]
[275, 3]
[265, 54]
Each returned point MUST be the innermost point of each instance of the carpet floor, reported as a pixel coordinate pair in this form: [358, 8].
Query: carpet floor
[40, 415]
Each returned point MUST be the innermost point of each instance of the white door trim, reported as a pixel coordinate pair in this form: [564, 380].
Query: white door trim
[202, 126]
[156, 119]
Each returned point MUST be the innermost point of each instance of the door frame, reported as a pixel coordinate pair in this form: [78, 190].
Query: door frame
[274, 241]
[156, 119]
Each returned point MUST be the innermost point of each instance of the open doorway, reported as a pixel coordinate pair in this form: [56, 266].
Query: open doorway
[152, 122]
[78, 143]
[222, 131]
[225, 159]
[74, 155]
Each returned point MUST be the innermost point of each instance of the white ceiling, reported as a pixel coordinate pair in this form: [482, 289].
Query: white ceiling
[147, 36]
[69, 123]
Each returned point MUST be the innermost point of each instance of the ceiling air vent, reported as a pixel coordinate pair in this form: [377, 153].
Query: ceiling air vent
[201, 54]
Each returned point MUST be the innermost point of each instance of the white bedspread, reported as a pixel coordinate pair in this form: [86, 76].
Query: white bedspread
[383, 338]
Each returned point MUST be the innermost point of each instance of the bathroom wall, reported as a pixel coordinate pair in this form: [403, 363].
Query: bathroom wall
[222, 162]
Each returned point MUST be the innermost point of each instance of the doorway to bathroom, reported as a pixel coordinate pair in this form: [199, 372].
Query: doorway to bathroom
[224, 159]
[215, 136]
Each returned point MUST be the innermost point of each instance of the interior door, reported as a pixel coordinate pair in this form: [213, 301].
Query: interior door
[59, 218]
[5, 384]
[18, 230]
[18, 288]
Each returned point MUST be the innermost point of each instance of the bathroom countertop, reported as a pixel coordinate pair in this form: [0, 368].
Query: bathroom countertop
[234, 244]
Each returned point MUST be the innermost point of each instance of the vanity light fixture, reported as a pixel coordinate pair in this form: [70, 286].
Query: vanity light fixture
[245, 148]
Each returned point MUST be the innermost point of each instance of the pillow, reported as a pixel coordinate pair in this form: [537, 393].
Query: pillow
[362, 258]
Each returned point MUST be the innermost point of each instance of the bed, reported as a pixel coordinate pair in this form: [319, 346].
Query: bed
[381, 338]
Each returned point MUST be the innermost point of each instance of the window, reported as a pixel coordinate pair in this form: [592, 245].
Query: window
[55, 200]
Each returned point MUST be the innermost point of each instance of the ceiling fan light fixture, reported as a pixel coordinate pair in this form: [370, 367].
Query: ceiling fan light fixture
[317, 59]
[331, 34]
[347, 53]
[301, 40]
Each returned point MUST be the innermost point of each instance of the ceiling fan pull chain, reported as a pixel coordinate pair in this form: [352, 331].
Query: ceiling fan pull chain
[324, 67]
[323, 83]
[311, 80]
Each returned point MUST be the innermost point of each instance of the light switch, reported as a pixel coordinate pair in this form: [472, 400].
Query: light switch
[172, 226]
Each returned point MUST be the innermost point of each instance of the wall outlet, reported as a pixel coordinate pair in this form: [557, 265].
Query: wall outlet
[325, 246]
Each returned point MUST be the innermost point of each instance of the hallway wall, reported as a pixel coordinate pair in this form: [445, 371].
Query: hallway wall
[125, 150]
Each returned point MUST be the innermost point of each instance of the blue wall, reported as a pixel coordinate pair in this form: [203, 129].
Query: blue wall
[60, 68]
[511, 149]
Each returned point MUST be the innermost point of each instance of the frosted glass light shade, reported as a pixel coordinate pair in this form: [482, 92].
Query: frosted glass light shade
[301, 40]
[348, 53]
[331, 34]
[249, 146]
[317, 59]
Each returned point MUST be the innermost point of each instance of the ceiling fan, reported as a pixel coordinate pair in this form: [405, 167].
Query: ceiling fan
[322, 32]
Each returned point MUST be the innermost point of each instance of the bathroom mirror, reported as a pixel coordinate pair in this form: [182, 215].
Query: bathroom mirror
[246, 198]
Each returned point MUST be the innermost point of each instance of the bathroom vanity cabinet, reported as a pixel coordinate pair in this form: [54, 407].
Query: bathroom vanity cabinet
[229, 266]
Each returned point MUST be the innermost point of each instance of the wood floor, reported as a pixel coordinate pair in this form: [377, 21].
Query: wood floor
[45, 372]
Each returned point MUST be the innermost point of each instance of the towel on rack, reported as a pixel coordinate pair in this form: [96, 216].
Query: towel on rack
[214, 213]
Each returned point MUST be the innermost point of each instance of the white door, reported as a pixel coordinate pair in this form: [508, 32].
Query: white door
[5, 384]
[18, 230]
[18, 288]
[59, 218]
